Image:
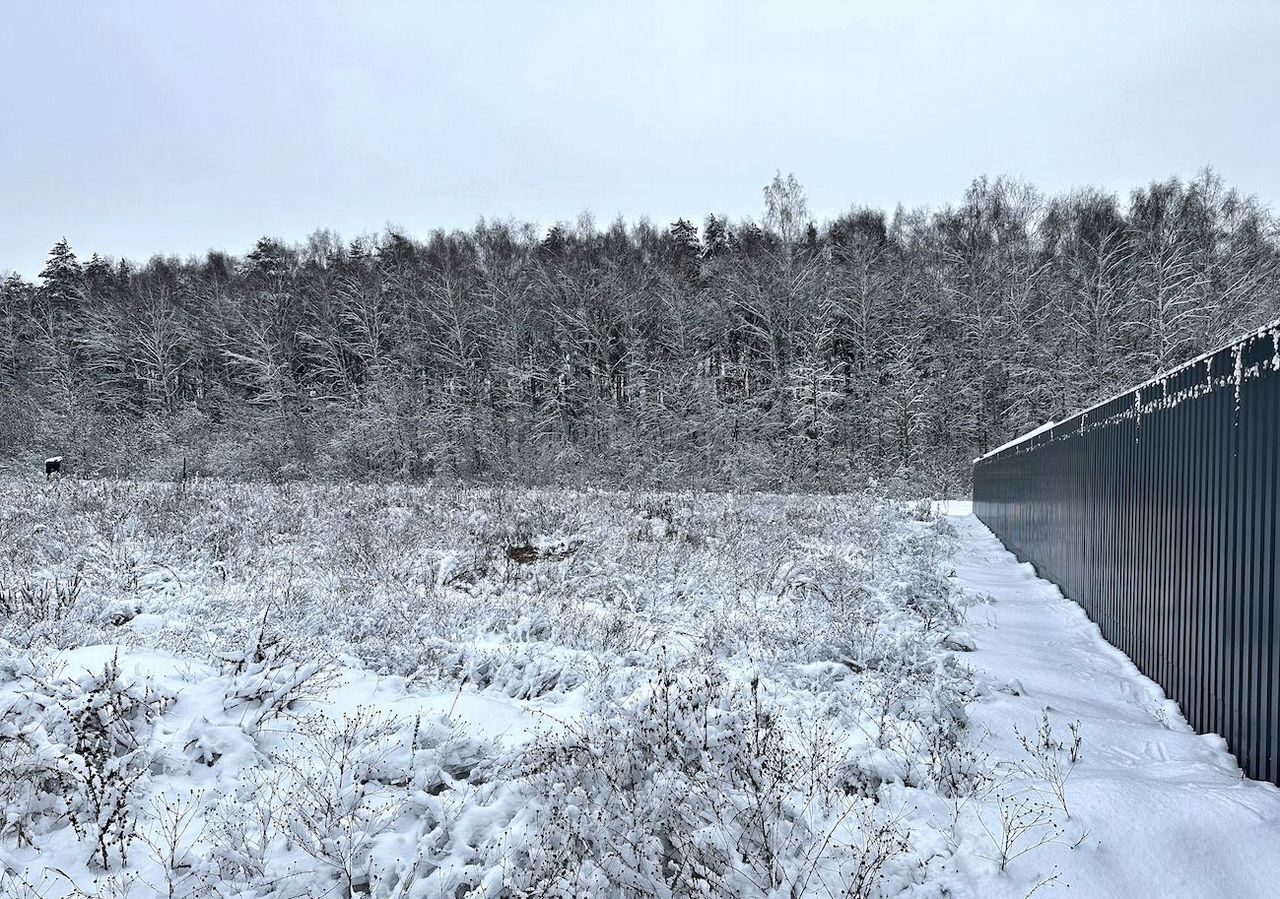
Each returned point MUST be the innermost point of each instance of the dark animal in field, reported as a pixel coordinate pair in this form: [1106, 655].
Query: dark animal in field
[52, 466]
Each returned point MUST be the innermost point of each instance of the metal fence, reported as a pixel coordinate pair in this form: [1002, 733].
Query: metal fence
[1156, 511]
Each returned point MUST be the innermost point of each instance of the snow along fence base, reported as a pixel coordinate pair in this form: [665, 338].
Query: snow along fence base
[1157, 512]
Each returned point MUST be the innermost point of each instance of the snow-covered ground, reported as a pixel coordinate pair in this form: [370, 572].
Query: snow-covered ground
[244, 691]
[1156, 810]
[238, 690]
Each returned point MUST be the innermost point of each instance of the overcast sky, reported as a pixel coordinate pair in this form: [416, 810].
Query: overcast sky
[143, 128]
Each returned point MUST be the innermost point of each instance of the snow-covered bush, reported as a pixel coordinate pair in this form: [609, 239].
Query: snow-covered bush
[697, 787]
[76, 749]
[333, 690]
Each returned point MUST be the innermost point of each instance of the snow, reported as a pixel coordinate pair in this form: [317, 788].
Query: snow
[359, 691]
[442, 692]
[1162, 810]
[1021, 438]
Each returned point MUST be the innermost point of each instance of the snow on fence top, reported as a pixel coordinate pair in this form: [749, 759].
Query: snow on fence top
[1240, 371]
[1047, 426]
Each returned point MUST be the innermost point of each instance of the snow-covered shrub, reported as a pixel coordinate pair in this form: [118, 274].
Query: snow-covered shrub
[1050, 760]
[270, 676]
[419, 692]
[75, 748]
[698, 787]
[44, 612]
[365, 804]
[36, 780]
[344, 781]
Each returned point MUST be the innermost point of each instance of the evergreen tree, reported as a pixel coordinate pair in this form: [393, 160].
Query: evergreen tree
[715, 237]
[62, 284]
[685, 246]
[267, 264]
[99, 278]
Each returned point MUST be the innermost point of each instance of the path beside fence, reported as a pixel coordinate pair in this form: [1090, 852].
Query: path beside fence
[1166, 810]
[1158, 511]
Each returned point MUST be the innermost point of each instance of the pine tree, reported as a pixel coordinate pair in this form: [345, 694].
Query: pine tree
[62, 285]
[715, 237]
[267, 263]
[99, 277]
[15, 312]
[685, 246]
[554, 244]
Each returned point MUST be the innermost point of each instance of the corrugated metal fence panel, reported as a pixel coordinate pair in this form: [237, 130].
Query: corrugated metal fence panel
[1157, 512]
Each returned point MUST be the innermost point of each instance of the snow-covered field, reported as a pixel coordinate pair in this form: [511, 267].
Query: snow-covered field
[245, 691]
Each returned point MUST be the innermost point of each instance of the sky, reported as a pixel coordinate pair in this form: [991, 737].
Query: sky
[136, 129]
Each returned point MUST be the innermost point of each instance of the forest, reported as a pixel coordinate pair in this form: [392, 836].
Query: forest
[877, 349]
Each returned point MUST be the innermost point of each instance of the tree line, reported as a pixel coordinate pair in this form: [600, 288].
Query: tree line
[783, 354]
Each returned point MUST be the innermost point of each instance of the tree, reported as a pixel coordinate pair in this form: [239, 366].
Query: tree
[62, 285]
[786, 209]
[685, 246]
[1170, 283]
[715, 240]
[267, 264]
[783, 356]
